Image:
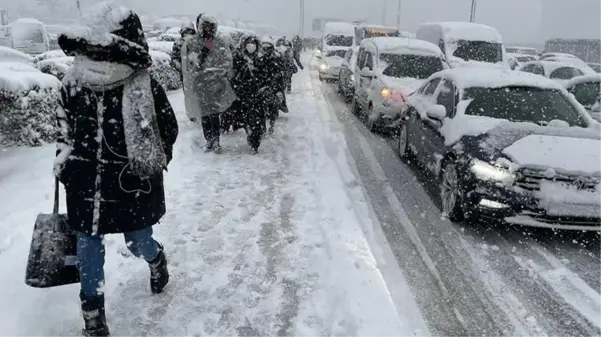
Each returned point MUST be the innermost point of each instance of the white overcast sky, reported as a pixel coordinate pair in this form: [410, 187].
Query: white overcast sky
[519, 21]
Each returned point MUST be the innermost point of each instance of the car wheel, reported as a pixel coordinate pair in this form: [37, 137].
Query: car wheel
[340, 91]
[403, 141]
[450, 192]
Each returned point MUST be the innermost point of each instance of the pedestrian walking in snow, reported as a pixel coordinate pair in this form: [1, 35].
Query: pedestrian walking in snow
[274, 73]
[207, 63]
[285, 48]
[250, 89]
[117, 131]
[187, 29]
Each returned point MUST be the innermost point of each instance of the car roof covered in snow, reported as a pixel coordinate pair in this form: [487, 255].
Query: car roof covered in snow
[584, 79]
[13, 55]
[551, 66]
[403, 45]
[552, 54]
[456, 30]
[339, 28]
[494, 78]
[28, 21]
[18, 77]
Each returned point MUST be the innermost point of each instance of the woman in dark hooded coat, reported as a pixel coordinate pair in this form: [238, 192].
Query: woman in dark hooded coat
[117, 131]
[248, 84]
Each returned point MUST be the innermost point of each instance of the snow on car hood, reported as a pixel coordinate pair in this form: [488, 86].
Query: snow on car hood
[406, 85]
[567, 155]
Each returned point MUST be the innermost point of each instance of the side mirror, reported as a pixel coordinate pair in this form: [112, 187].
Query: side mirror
[366, 72]
[437, 112]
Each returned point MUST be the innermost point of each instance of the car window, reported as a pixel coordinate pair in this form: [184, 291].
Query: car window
[348, 55]
[361, 58]
[431, 88]
[538, 70]
[369, 61]
[528, 68]
[586, 93]
[446, 96]
[565, 73]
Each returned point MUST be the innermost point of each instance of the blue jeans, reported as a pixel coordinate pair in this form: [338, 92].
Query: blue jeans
[90, 254]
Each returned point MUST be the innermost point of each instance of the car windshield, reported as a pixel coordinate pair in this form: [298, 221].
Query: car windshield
[479, 51]
[523, 104]
[524, 58]
[339, 41]
[408, 65]
[336, 53]
[587, 93]
[27, 33]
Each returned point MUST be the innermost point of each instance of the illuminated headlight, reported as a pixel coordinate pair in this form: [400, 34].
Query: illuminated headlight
[485, 171]
[385, 93]
[323, 67]
[352, 77]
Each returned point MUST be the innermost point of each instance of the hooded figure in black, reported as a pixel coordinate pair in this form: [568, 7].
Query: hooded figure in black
[248, 83]
[274, 74]
[285, 48]
[187, 29]
[117, 131]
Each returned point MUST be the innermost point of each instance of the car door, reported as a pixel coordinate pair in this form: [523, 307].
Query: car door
[423, 100]
[358, 67]
[345, 70]
[365, 82]
[433, 138]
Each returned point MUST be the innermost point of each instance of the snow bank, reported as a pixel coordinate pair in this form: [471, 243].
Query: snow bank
[163, 71]
[52, 54]
[13, 55]
[17, 77]
[164, 46]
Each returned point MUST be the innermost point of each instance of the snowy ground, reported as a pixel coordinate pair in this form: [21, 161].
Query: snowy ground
[276, 244]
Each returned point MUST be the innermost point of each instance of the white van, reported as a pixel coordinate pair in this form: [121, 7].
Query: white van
[30, 36]
[338, 38]
[465, 43]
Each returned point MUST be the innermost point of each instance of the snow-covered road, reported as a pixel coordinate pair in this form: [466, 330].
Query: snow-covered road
[281, 243]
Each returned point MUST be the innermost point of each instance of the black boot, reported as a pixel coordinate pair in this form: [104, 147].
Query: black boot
[159, 275]
[94, 316]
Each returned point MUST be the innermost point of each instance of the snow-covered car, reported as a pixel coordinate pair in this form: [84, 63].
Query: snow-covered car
[164, 46]
[12, 55]
[53, 54]
[389, 70]
[521, 50]
[507, 146]
[558, 71]
[28, 102]
[330, 63]
[545, 56]
[30, 36]
[518, 60]
[348, 69]
[466, 44]
[53, 32]
[587, 91]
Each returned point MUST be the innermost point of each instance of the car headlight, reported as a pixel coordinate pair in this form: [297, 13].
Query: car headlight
[385, 93]
[485, 171]
[323, 67]
[352, 77]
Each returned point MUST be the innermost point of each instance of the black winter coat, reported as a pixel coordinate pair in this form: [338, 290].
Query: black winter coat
[273, 72]
[248, 78]
[101, 191]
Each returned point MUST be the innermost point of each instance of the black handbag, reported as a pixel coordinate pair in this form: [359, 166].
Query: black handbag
[52, 258]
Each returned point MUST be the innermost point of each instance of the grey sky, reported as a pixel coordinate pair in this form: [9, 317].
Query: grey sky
[519, 21]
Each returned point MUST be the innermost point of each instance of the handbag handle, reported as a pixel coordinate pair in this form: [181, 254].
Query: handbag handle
[56, 186]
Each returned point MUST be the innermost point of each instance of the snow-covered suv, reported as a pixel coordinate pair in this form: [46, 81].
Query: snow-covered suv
[389, 70]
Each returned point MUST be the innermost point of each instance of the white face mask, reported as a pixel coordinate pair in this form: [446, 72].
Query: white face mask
[251, 48]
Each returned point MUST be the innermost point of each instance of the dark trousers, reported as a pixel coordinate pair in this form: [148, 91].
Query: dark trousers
[254, 113]
[211, 127]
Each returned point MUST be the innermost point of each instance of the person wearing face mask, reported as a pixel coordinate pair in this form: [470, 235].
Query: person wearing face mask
[206, 65]
[250, 89]
[273, 65]
[186, 30]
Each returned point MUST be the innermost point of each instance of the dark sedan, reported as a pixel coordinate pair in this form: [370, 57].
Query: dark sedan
[346, 80]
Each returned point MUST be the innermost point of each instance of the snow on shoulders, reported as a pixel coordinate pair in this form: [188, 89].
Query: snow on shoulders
[495, 78]
[584, 79]
[13, 55]
[402, 44]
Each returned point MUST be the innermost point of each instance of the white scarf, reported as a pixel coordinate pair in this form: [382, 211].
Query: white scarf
[140, 125]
